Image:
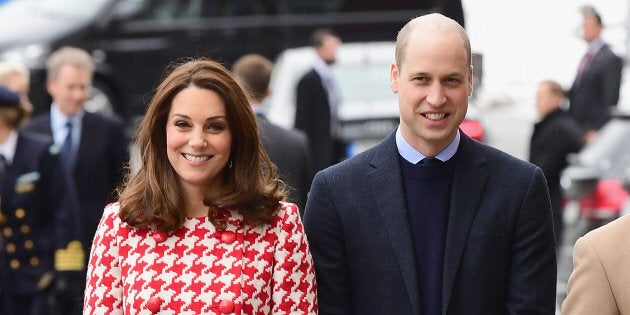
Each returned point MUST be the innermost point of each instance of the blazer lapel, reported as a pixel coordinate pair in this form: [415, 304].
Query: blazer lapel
[468, 185]
[385, 183]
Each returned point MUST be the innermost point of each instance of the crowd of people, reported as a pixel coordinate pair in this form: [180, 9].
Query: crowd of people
[218, 210]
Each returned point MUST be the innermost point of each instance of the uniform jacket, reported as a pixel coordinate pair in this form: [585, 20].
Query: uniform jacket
[592, 96]
[499, 254]
[312, 115]
[36, 217]
[199, 270]
[98, 168]
[600, 281]
[288, 149]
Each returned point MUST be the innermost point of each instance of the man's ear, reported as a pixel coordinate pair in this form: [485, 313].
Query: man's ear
[394, 77]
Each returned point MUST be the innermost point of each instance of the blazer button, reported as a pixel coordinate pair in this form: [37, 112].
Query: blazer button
[154, 304]
[159, 236]
[228, 237]
[226, 306]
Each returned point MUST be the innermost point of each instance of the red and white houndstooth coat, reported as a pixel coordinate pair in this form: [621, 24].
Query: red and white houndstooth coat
[199, 270]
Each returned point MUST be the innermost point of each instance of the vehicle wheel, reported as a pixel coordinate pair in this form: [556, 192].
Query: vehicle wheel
[101, 99]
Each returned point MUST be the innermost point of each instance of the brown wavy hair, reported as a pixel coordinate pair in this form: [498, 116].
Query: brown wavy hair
[152, 197]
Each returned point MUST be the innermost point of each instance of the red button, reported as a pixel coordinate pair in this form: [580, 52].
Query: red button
[228, 237]
[159, 236]
[226, 306]
[154, 304]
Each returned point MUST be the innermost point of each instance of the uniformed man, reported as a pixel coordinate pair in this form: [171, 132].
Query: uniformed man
[39, 247]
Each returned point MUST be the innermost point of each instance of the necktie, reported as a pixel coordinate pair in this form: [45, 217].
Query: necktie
[430, 161]
[3, 168]
[584, 63]
[66, 148]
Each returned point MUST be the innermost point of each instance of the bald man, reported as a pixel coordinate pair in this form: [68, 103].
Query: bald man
[431, 221]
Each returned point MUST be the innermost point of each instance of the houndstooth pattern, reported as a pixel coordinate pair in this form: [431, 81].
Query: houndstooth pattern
[266, 270]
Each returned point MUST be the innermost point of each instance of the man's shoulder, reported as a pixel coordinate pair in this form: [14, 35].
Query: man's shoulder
[38, 123]
[111, 120]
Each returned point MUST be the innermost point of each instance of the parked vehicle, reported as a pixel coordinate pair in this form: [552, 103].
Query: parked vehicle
[369, 109]
[133, 40]
[596, 181]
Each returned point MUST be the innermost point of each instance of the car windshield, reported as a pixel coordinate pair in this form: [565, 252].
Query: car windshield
[57, 9]
[363, 82]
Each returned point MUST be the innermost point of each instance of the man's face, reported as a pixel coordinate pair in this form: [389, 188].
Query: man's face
[70, 89]
[591, 28]
[433, 85]
[328, 50]
[546, 100]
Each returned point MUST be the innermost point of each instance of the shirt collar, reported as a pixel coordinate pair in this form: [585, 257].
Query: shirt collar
[595, 45]
[412, 156]
[322, 68]
[7, 149]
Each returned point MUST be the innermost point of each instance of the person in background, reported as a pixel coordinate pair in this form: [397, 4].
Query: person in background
[600, 282]
[595, 90]
[39, 245]
[17, 78]
[430, 221]
[94, 147]
[555, 136]
[317, 100]
[201, 226]
[287, 149]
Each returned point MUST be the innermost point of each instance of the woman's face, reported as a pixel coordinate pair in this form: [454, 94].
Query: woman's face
[198, 138]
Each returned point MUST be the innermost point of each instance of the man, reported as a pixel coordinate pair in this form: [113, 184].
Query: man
[554, 137]
[288, 149]
[595, 90]
[470, 235]
[40, 245]
[94, 148]
[316, 103]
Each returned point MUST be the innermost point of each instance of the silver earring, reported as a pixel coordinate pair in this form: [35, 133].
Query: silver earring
[230, 164]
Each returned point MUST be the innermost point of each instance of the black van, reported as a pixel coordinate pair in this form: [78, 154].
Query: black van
[133, 40]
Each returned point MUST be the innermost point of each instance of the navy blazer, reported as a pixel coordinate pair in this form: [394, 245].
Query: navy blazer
[499, 255]
[592, 97]
[36, 218]
[99, 164]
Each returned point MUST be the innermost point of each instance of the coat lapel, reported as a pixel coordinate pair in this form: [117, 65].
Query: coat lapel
[468, 185]
[385, 183]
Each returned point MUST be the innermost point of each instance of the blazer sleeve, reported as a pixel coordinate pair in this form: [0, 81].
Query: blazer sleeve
[588, 290]
[325, 234]
[533, 275]
[103, 292]
[294, 289]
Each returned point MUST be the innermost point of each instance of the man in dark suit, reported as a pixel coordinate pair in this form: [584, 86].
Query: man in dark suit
[94, 147]
[554, 137]
[38, 246]
[288, 149]
[595, 90]
[430, 221]
[316, 104]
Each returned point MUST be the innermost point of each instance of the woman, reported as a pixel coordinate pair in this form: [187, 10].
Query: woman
[40, 249]
[200, 227]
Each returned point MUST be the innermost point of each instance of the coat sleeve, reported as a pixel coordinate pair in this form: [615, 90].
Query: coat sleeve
[103, 292]
[294, 290]
[533, 274]
[325, 234]
[588, 290]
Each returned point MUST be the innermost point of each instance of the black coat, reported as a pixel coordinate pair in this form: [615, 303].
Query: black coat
[592, 96]
[289, 151]
[98, 168]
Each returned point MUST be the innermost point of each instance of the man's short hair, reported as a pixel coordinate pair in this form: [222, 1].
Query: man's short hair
[253, 71]
[68, 55]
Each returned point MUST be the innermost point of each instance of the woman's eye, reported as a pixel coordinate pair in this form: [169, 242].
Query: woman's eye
[182, 124]
[216, 126]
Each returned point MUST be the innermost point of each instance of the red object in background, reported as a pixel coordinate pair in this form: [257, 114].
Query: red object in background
[605, 201]
[473, 129]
